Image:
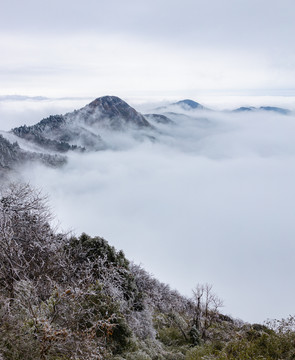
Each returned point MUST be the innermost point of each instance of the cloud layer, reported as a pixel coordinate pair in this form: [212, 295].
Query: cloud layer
[133, 47]
[211, 201]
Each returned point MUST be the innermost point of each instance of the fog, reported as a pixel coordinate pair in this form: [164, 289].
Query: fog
[16, 110]
[211, 200]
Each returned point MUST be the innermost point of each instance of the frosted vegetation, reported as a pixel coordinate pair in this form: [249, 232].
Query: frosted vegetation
[72, 297]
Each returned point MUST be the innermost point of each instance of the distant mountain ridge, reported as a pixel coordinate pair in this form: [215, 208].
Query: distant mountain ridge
[93, 128]
[74, 131]
[188, 104]
[79, 130]
[279, 110]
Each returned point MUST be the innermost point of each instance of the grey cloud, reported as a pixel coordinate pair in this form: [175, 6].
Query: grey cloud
[134, 46]
[264, 24]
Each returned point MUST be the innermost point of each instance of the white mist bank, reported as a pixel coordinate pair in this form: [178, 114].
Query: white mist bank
[208, 202]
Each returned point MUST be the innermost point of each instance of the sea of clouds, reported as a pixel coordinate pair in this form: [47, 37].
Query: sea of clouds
[212, 199]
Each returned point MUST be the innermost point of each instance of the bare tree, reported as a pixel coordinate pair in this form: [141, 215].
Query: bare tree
[207, 306]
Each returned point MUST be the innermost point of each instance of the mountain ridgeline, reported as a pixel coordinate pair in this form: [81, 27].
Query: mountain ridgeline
[93, 127]
[274, 109]
[79, 130]
[188, 104]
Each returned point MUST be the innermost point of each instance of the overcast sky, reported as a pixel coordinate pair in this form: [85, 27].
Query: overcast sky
[133, 47]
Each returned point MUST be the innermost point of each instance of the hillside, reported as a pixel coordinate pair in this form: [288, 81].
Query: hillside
[11, 156]
[68, 297]
[9, 153]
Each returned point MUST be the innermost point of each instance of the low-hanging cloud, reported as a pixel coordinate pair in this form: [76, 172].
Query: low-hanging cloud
[211, 200]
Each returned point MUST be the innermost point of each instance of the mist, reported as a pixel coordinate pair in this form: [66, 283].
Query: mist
[211, 199]
[24, 110]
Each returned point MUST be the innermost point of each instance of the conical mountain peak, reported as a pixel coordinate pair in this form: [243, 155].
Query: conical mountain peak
[116, 109]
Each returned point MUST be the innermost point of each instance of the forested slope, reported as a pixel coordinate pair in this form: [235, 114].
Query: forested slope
[67, 297]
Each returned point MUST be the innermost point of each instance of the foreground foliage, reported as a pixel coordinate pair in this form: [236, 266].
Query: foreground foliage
[65, 297]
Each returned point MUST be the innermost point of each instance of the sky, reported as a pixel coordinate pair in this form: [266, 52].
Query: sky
[147, 48]
[211, 202]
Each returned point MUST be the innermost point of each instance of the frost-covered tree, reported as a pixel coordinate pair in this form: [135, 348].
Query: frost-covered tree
[207, 305]
[29, 248]
[76, 298]
[53, 304]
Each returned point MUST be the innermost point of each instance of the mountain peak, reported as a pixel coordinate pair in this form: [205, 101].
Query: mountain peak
[189, 104]
[107, 100]
[80, 130]
[116, 109]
